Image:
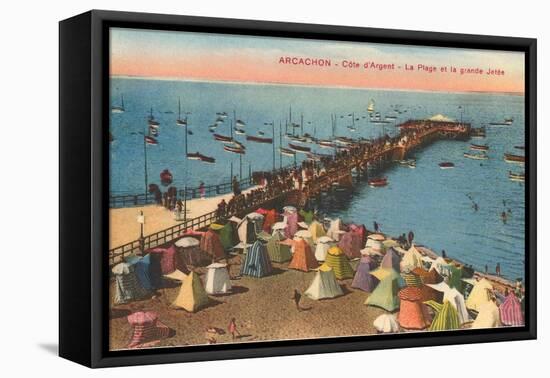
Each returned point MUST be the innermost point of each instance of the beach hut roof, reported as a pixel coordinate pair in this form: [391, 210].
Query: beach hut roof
[187, 242]
[290, 209]
[254, 215]
[303, 234]
[335, 251]
[176, 275]
[377, 237]
[324, 284]
[383, 273]
[279, 226]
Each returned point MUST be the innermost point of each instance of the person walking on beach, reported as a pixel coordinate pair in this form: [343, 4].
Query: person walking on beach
[297, 297]
[232, 328]
[202, 190]
[236, 187]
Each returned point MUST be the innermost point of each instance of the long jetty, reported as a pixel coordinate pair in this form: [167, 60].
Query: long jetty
[354, 155]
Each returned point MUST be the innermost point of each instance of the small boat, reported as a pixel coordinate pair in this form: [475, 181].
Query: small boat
[219, 120]
[240, 123]
[119, 108]
[259, 139]
[509, 120]
[153, 132]
[234, 149]
[520, 147]
[221, 115]
[519, 177]
[297, 148]
[343, 140]
[193, 156]
[223, 138]
[378, 182]
[411, 163]
[297, 138]
[189, 132]
[446, 165]
[352, 129]
[166, 177]
[478, 132]
[506, 122]
[239, 131]
[207, 159]
[479, 147]
[180, 121]
[481, 156]
[390, 118]
[151, 120]
[326, 144]
[261, 133]
[150, 140]
[511, 158]
[287, 152]
[379, 121]
[370, 107]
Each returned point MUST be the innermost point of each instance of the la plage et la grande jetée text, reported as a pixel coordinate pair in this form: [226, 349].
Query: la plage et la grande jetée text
[350, 64]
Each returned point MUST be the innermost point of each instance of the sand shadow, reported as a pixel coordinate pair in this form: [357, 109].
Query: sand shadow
[119, 313]
[234, 291]
[304, 309]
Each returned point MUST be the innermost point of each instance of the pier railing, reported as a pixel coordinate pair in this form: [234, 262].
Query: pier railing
[141, 199]
[137, 247]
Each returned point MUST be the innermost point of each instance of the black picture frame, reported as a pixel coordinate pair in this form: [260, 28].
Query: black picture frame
[83, 228]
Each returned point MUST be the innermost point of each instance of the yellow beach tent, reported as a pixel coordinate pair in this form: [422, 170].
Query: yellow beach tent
[339, 262]
[479, 295]
[316, 230]
[192, 296]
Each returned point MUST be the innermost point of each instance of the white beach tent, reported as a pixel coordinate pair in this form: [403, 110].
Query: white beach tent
[375, 243]
[411, 259]
[479, 294]
[386, 323]
[335, 229]
[324, 284]
[248, 227]
[488, 316]
[455, 298]
[217, 279]
[440, 266]
[323, 245]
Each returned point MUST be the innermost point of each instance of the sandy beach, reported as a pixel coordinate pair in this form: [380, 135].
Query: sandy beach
[124, 227]
[263, 309]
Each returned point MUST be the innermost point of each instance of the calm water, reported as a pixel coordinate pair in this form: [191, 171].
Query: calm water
[428, 200]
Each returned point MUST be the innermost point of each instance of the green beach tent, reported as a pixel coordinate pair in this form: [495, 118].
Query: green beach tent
[385, 293]
[446, 316]
[339, 263]
[278, 252]
[225, 231]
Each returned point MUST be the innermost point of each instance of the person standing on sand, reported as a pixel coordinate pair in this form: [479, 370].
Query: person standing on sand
[497, 269]
[202, 190]
[411, 237]
[376, 226]
[297, 296]
[486, 269]
[232, 328]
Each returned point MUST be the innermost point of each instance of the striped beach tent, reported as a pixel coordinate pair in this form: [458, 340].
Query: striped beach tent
[375, 243]
[147, 330]
[189, 251]
[338, 261]
[278, 252]
[324, 284]
[316, 230]
[192, 296]
[127, 287]
[256, 262]
[166, 258]
[479, 295]
[363, 279]
[488, 316]
[454, 297]
[385, 294]
[391, 260]
[303, 258]
[511, 313]
[412, 312]
[446, 316]
[350, 242]
[427, 278]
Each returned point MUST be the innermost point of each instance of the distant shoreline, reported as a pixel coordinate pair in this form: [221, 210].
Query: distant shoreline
[195, 80]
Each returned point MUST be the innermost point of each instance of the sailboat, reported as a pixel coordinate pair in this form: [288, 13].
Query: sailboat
[370, 107]
[151, 121]
[119, 108]
[179, 121]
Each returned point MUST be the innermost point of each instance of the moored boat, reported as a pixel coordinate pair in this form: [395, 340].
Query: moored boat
[446, 165]
[287, 152]
[325, 144]
[223, 138]
[119, 108]
[378, 182]
[511, 158]
[478, 132]
[479, 147]
[480, 156]
[520, 177]
[259, 139]
[234, 149]
[297, 148]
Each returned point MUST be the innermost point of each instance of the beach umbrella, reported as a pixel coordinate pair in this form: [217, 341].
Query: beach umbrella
[455, 298]
[188, 251]
[211, 244]
[127, 287]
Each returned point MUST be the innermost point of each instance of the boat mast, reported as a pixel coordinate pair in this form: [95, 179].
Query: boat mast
[179, 108]
[145, 161]
[122, 101]
[273, 142]
[280, 144]
[185, 131]
[302, 124]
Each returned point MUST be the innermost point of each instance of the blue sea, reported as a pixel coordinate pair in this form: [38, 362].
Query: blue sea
[436, 204]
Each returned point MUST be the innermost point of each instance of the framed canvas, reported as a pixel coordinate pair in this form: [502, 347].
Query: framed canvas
[234, 188]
